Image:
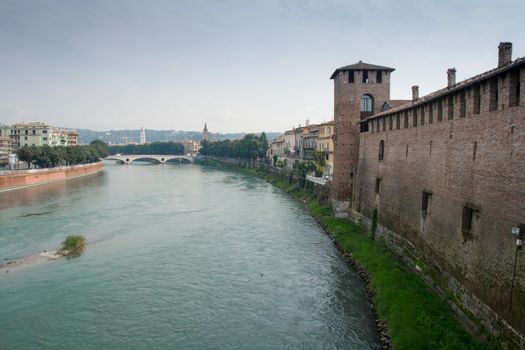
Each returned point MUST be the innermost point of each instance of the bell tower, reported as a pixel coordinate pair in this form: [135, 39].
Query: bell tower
[360, 90]
[205, 132]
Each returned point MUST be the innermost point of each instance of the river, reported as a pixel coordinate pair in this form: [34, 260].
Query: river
[178, 257]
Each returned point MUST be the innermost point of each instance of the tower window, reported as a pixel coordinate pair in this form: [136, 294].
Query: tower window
[366, 103]
[406, 120]
[398, 121]
[430, 112]
[350, 76]
[381, 150]
[414, 117]
[379, 76]
[365, 77]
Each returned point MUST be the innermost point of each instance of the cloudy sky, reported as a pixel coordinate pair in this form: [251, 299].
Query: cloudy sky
[237, 65]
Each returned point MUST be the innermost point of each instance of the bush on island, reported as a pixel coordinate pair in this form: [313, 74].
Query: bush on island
[72, 244]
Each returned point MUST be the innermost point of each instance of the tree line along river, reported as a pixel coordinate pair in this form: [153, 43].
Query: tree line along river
[178, 256]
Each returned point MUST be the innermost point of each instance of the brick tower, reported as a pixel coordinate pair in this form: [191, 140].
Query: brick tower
[360, 90]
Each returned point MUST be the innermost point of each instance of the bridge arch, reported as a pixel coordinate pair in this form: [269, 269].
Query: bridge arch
[154, 160]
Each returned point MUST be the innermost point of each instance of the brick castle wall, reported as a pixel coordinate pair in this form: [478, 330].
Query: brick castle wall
[475, 160]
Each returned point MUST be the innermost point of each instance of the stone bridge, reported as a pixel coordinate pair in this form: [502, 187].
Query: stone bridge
[158, 158]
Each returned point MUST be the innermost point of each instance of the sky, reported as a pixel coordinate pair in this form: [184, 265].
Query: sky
[239, 66]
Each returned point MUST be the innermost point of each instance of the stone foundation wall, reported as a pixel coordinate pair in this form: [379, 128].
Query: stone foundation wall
[472, 312]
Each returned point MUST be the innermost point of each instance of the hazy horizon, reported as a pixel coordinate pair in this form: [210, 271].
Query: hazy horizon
[238, 66]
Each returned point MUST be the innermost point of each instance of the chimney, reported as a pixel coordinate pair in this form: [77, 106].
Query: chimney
[451, 75]
[415, 92]
[504, 54]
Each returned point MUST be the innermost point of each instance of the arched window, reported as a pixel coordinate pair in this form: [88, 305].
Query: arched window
[366, 103]
[381, 150]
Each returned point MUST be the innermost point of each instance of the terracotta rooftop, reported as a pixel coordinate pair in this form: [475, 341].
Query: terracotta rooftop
[360, 66]
[445, 91]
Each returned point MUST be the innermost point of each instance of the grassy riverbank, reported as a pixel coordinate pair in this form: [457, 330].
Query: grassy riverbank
[414, 317]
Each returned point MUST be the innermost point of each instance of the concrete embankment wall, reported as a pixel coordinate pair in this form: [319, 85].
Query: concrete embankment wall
[11, 180]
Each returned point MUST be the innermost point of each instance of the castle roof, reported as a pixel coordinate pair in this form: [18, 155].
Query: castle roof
[451, 89]
[360, 66]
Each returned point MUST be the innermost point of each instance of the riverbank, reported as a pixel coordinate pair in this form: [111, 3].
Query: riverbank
[413, 316]
[12, 180]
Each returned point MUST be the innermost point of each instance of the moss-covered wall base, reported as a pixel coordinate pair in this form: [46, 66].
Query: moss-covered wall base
[470, 310]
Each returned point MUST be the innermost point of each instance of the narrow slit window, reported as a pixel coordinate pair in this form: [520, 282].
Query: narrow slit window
[406, 120]
[466, 222]
[425, 203]
[379, 76]
[398, 121]
[378, 185]
[431, 113]
[414, 117]
[381, 150]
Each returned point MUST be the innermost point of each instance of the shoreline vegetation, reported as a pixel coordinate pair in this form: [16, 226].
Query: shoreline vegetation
[72, 246]
[408, 314]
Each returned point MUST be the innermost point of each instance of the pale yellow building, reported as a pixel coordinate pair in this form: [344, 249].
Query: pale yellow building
[325, 143]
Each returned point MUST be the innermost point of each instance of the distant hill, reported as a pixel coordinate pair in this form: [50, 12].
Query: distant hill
[116, 137]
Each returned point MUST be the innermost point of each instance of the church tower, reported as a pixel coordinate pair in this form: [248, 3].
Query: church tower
[205, 132]
[360, 90]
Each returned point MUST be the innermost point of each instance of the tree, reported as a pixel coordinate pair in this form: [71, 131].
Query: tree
[101, 147]
[28, 154]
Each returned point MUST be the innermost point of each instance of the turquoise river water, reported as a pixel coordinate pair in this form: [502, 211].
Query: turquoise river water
[178, 257]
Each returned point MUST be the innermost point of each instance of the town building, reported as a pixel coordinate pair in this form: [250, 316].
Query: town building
[38, 134]
[277, 147]
[191, 146]
[6, 148]
[33, 134]
[325, 144]
[72, 137]
[441, 178]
